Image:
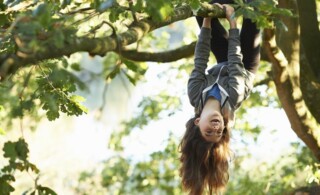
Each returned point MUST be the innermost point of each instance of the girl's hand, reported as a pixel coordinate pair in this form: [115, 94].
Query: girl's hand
[229, 10]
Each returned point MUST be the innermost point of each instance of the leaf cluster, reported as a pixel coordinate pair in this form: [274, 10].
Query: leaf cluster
[55, 88]
[264, 12]
[49, 86]
[17, 155]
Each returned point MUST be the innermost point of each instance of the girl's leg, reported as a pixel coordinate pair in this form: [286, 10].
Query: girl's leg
[219, 36]
[219, 39]
[250, 44]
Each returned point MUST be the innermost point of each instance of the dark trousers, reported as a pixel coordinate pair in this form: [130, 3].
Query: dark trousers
[249, 38]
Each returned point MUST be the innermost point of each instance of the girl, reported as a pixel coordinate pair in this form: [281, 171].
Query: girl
[216, 96]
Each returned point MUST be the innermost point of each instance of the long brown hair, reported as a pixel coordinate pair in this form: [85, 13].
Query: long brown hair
[204, 164]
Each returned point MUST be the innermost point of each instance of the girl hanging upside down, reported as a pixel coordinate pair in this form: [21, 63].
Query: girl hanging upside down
[216, 95]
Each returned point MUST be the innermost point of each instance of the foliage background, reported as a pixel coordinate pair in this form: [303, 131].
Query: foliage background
[127, 143]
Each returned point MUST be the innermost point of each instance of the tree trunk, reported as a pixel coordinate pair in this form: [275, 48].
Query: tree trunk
[285, 61]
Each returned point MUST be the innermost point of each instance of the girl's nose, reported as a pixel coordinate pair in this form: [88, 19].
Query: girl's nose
[215, 127]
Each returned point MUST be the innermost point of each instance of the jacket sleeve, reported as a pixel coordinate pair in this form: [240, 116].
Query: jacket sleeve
[197, 80]
[237, 73]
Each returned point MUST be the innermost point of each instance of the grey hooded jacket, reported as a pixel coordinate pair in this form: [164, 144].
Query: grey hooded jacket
[234, 81]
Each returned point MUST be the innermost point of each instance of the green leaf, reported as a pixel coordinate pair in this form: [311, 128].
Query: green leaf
[194, 4]
[77, 98]
[166, 10]
[130, 65]
[9, 150]
[115, 13]
[113, 73]
[33, 167]
[16, 150]
[27, 105]
[75, 66]
[50, 105]
[52, 115]
[5, 187]
[7, 177]
[22, 149]
[131, 79]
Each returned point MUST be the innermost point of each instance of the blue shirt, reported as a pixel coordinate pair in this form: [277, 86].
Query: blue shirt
[214, 92]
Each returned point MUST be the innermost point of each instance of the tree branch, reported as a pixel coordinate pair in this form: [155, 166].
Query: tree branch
[263, 81]
[167, 56]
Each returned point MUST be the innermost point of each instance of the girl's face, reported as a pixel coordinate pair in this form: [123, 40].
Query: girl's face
[211, 126]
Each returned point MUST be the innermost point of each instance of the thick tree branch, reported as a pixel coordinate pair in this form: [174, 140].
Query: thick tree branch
[167, 56]
[301, 120]
[289, 40]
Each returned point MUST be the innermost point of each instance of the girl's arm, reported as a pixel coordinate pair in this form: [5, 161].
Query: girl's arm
[237, 73]
[197, 80]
